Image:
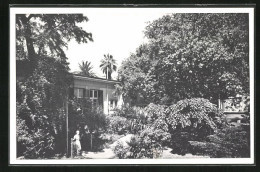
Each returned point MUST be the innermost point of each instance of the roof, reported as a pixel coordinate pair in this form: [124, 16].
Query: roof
[94, 78]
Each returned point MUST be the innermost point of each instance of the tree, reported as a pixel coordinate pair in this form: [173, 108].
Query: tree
[190, 55]
[108, 65]
[48, 34]
[41, 110]
[86, 69]
[42, 93]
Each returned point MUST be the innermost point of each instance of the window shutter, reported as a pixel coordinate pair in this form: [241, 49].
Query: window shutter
[100, 98]
[87, 93]
[71, 92]
[84, 92]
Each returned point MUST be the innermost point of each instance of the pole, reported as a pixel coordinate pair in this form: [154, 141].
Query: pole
[107, 94]
[71, 148]
[67, 127]
[91, 141]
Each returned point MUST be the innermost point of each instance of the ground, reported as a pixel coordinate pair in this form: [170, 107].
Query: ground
[108, 153]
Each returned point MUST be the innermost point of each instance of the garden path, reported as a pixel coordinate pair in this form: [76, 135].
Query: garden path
[108, 153]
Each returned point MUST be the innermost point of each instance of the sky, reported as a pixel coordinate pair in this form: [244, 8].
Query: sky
[116, 31]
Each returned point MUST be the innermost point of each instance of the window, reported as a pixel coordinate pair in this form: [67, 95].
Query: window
[79, 92]
[113, 104]
[93, 94]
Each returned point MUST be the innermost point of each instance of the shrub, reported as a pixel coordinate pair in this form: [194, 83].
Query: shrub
[230, 142]
[33, 143]
[174, 126]
[128, 120]
[143, 146]
[82, 113]
[120, 150]
[191, 120]
[118, 124]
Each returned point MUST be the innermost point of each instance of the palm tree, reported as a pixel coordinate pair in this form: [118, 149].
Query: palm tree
[108, 65]
[86, 69]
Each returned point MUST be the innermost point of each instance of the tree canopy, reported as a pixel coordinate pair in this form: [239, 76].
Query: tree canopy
[108, 65]
[86, 69]
[189, 55]
[48, 34]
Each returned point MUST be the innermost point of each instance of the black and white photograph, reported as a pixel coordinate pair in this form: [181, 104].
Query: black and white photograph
[131, 85]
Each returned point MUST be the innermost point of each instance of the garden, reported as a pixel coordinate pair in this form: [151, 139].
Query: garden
[191, 128]
[171, 87]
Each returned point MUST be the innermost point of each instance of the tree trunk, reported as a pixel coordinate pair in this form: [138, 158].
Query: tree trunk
[29, 42]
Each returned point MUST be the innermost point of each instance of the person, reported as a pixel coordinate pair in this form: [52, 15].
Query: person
[87, 138]
[76, 138]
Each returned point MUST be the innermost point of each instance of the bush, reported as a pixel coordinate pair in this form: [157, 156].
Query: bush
[120, 150]
[143, 146]
[33, 143]
[118, 124]
[191, 120]
[174, 126]
[128, 120]
[230, 142]
[81, 114]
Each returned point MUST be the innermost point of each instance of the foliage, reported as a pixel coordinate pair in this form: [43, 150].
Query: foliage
[174, 126]
[128, 120]
[40, 106]
[86, 69]
[190, 126]
[33, 144]
[118, 125]
[48, 34]
[146, 145]
[138, 147]
[42, 92]
[120, 151]
[108, 65]
[189, 55]
[191, 119]
[83, 113]
[230, 142]
[192, 112]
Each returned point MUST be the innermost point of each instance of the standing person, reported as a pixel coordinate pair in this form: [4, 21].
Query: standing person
[76, 138]
[87, 141]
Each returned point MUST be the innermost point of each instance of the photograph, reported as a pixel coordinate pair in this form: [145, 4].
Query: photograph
[131, 85]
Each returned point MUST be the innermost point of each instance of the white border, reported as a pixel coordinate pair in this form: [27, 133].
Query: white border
[12, 124]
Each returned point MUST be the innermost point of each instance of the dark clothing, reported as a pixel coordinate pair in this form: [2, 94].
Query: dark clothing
[85, 142]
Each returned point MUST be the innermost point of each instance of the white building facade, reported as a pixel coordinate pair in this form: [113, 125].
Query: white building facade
[101, 91]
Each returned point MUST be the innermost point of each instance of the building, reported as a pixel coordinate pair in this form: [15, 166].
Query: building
[235, 108]
[100, 91]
